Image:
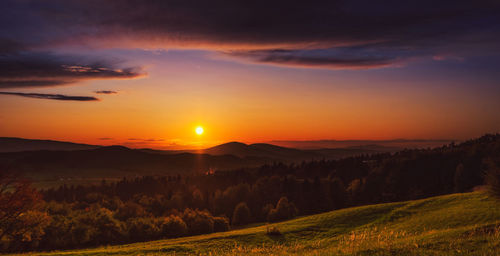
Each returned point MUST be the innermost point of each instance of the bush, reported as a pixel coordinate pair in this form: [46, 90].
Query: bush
[221, 224]
[109, 230]
[493, 182]
[241, 214]
[142, 229]
[198, 222]
[19, 218]
[338, 195]
[284, 210]
[130, 210]
[81, 234]
[173, 226]
[460, 179]
[57, 233]
[265, 211]
[273, 231]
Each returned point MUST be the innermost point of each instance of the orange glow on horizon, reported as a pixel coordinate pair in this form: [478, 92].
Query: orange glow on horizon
[249, 104]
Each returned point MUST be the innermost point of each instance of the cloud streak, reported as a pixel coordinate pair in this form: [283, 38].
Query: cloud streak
[26, 68]
[325, 58]
[105, 92]
[51, 96]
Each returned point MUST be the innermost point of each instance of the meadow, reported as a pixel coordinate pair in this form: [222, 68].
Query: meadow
[457, 224]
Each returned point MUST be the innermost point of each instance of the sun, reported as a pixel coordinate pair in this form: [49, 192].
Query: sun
[199, 130]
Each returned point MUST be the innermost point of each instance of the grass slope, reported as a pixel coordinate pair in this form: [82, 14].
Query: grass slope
[458, 224]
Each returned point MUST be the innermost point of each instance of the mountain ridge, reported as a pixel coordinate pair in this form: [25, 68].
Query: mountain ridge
[15, 144]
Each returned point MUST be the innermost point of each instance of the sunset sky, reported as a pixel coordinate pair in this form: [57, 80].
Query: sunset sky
[147, 73]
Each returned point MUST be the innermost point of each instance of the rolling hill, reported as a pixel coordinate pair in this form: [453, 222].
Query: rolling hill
[261, 150]
[285, 154]
[458, 224]
[53, 161]
[116, 161]
[8, 144]
[238, 149]
[396, 144]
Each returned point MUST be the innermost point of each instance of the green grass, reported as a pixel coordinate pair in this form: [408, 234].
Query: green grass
[458, 224]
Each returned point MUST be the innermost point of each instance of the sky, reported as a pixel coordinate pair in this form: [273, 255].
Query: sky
[147, 73]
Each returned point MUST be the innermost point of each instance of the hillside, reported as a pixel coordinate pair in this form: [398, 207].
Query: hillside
[287, 154]
[54, 161]
[115, 161]
[396, 144]
[18, 144]
[458, 224]
[260, 150]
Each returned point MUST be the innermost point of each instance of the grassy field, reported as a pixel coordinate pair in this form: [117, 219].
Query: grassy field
[458, 224]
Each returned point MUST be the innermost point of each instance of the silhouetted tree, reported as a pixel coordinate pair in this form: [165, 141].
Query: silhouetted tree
[198, 222]
[337, 193]
[492, 178]
[241, 214]
[284, 210]
[221, 224]
[20, 220]
[173, 226]
[460, 178]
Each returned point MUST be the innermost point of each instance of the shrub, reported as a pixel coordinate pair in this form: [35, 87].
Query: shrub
[273, 216]
[338, 195]
[57, 233]
[173, 226]
[493, 182]
[198, 222]
[81, 234]
[273, 231]
[130, 210]
[142, 229]
[265, 210]
[221, 224]
[19, 219]
[460, 179]
[109, 230]
[284, 210]
[241, 214]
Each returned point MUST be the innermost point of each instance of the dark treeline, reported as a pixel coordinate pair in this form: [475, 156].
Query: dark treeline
[149, 208]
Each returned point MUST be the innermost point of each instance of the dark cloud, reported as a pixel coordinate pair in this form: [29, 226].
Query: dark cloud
[39, 69]
[30, 82]
[51, 96]
[261, 22]
[105, 138]
[446, 27]
[8, 46]
[145, 140]
[105, 92]
[152, 140]
[333, 59]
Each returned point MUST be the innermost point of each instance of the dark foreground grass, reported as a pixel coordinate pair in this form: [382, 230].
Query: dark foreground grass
[459, 224]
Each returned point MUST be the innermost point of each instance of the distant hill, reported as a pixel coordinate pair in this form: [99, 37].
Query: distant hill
[8, 144]
[261, 150]
[117, 161]
[374, 144]
[304, 151]
[279, 153]
[53, 160]
[286, 154]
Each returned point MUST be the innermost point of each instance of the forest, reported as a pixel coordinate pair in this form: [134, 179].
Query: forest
[154, 207]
